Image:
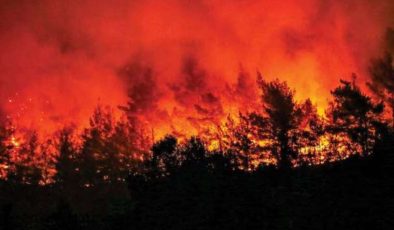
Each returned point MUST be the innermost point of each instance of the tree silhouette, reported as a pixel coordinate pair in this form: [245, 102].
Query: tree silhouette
[193, 152]
[110, 149]
[308, 133]
[25, 169]
[354, 114]
[165, 159]
[66, 165]
[182, 184]
[282, 115]
[95, 149]
[276, 135]
[5, 147]
[237, 142]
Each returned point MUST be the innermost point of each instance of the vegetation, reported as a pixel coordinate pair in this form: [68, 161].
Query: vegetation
[281, 167]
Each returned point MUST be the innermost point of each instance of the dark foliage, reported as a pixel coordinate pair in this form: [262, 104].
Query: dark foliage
[355, 115]
[112, 182]
[351, 194]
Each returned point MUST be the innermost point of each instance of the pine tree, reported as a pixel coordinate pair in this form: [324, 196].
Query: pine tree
[25, 167]
[94, 152]
[67, 162]
[282, 114]
[355, 115]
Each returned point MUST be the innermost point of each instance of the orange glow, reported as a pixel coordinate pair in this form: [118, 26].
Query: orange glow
[14, 142]
[187, 64]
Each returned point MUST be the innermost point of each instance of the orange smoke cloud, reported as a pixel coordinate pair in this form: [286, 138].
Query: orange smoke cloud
[184, 63]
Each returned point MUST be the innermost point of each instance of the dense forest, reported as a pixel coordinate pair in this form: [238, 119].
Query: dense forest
[282, 167]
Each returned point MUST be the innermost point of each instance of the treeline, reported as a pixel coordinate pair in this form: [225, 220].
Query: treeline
[259, 170]
[284, 134]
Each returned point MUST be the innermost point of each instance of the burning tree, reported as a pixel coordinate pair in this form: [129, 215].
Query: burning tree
[239, 140]
[309, 134]
[5, 136]
[66, 165]
[24, 168]
[354, 115]
[278, 134]
[110, 148]
[281, 117]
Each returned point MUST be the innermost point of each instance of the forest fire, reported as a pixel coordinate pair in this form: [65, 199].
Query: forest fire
[196, 114]
[142, 70]
[59, 60]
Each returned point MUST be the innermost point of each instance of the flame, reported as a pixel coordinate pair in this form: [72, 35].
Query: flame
[186, 66]
[14, 142]
[59, 59]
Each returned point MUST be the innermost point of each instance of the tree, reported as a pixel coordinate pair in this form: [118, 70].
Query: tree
[355, 115]
[242, 141]
[110, 149]
[164, 156]
[276, 135]
[66, 165]
[94, 151]
[5, 147]
[131, 144]
[25, 168]
[281, 116]
[193, 154]
[47, 160]
[307, 136]
[236, 143]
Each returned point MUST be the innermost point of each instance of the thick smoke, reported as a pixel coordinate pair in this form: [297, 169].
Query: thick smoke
[178, 60]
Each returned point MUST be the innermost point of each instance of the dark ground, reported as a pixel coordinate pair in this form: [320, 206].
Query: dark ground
[353, 194]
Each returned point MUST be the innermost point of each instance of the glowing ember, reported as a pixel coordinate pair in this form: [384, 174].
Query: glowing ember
[15, 143]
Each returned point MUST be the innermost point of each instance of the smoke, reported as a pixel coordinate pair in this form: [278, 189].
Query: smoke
[390, 41]
[179, 61]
